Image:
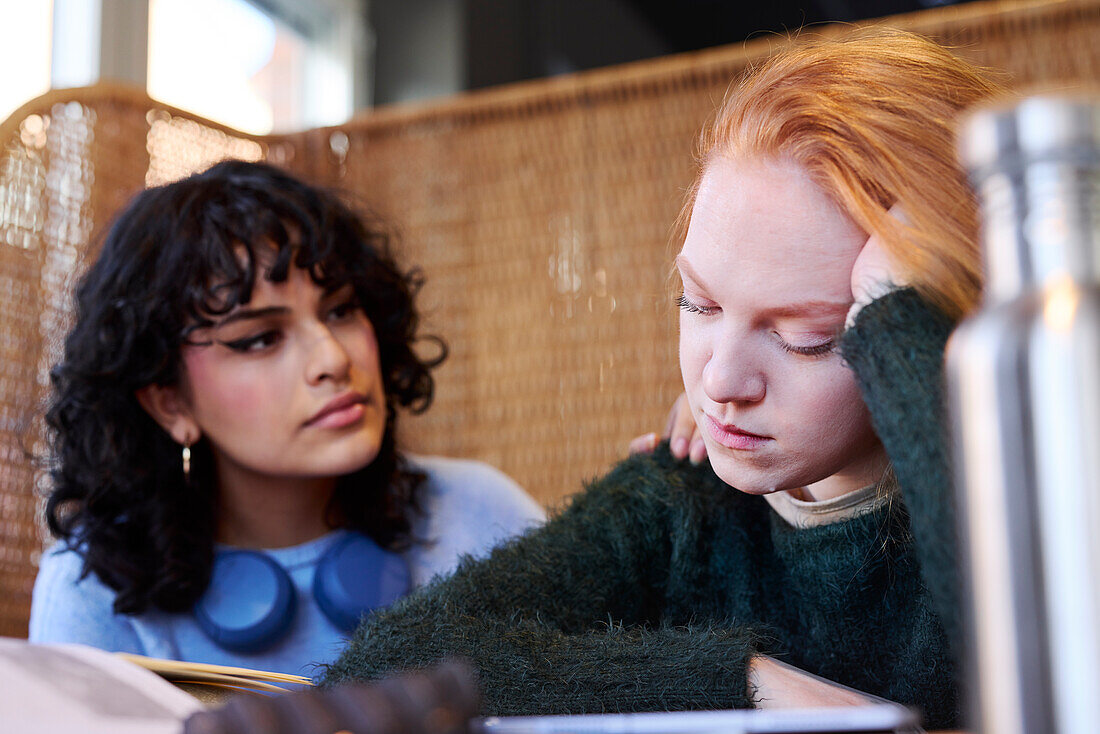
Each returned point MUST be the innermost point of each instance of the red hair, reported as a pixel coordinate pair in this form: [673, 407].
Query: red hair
[872, 117]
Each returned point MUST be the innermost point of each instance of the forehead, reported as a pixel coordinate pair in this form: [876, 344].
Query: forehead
[764, 229]
[261, 270]
[298, 286]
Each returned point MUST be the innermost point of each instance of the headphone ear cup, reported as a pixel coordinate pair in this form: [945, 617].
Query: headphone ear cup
[249, 604]
[355, 576]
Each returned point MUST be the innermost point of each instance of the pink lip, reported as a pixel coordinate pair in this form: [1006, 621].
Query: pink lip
[732, 437]
[341, 411]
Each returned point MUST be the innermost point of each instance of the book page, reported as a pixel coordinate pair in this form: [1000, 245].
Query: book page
[221, 675]
[81, 688]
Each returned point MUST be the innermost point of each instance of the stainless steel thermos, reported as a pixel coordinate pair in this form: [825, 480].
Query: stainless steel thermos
[1023, 379]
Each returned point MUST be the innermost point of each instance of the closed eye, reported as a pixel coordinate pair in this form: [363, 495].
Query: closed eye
[691, 307]
[813, 350]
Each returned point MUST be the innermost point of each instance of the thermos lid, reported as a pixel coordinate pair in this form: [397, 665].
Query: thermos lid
[1011, 135]
[988, 137]
[1034, 165]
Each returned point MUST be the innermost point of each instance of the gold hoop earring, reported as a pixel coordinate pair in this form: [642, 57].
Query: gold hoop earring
[187, 462]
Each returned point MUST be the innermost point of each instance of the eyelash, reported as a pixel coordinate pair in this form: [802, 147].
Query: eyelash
[249, 343]
[345, 309]
[690, 307]
[818, 350]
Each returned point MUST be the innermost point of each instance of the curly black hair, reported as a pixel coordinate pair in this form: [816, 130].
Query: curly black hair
[176, 256]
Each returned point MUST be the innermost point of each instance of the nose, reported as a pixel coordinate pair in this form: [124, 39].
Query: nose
[733, 374]
[326, 357]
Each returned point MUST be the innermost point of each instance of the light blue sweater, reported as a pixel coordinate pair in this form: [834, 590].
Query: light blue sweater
[469, 508]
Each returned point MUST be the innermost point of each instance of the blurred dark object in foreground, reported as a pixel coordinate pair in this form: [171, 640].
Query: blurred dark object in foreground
[437, 701]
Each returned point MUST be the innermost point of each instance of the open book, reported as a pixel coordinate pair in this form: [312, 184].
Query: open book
[55, 688]
[46, 688]
[221, 680]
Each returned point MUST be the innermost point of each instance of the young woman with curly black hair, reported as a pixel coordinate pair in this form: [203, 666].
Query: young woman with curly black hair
[241, 348]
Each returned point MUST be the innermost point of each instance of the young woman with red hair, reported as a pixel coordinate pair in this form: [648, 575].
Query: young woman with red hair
[830, 242]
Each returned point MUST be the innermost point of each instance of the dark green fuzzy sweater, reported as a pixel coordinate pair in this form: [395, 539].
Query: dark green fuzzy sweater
[655, 586]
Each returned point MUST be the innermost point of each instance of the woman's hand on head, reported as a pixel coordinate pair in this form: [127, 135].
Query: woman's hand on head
[773, 684]
[680, 430]
[875, 273]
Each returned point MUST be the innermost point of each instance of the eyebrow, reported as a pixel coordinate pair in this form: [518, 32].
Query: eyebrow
[808, 308]
[801, 309]
[258, 313]
[252, 313]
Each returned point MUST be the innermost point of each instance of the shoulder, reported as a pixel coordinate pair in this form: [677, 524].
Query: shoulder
[69, 606]
[61, 574]
[472, 487]
[451, 474]
[653, 493]
[467, 508]
[661, 480]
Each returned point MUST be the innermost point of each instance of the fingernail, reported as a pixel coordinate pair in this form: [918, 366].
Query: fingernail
[698, 452]
[679, 447]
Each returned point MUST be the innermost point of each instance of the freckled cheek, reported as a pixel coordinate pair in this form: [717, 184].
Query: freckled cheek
[693, 358]
[839, 397]
[816, 402]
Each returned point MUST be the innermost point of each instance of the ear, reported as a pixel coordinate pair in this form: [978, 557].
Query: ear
[170, 410]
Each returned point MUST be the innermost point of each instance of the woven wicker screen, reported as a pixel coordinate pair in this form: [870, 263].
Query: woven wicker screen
[539, 213]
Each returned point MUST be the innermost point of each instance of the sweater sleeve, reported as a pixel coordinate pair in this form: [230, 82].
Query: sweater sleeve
[566, 619]
[896, 348]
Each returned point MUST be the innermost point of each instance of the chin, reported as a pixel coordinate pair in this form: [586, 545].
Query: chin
[356, 463]
[752, 480]
[345, 460]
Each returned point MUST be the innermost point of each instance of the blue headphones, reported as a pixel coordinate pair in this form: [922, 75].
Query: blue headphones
[250, 603]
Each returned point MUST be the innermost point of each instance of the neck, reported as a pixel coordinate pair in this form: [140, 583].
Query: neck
[867, 470]
[257, 511]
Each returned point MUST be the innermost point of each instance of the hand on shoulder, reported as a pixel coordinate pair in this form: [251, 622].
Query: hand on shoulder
[684, 439]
